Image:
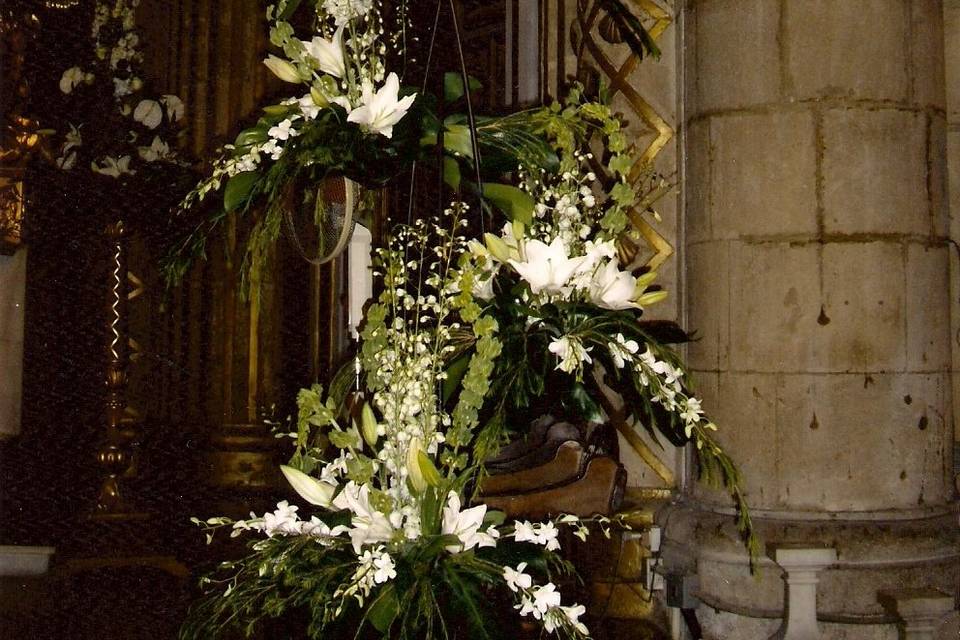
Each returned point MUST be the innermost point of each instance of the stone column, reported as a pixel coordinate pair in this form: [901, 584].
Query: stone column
[951, 37]
[817, 277]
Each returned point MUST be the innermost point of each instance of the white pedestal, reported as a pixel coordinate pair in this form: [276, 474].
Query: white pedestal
[801, 566]
[16, 561]
[921, 610]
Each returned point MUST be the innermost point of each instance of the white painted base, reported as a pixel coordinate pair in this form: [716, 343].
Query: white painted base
[24, 561]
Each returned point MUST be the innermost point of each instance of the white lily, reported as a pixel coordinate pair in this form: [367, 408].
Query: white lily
[466, 525]
[547, 268]
[380, 111]
[328, 53]
[310, 489]
[149, 113]
[282, 69]
[612, 288]
[367, 524]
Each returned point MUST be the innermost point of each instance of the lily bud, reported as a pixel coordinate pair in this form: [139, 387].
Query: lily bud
[318, 98]
[428, 469]
[310, 489]
[645, 281]
[368, 424]
[497, 247]
[415, 473]
[518, 229]
[282, 69]
[653, 297]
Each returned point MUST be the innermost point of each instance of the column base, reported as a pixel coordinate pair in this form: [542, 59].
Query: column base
[874, 554]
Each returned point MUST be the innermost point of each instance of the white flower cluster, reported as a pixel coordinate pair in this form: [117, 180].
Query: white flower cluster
[285, 521]
[122, 56]
[348, 72]
[543, 602]
[342, 11]
[375, 567]
[542, 533]
[665, 382]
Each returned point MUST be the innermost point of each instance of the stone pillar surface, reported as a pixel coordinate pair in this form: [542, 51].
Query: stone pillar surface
[817, 275]
[951, 38]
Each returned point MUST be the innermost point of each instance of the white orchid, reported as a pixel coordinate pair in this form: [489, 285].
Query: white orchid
[622, 351]
[283, 521]
[328, 53]
[380, 111]
[308, 107]
[516, 578]
[72, 139]
[570, 352]
[544, 534]
[158, 150]
[71, 78]
[547, 268]
[559, 616]
[113, 167]
[149, 113]
[283, 130]
[612, 288]
[466, 525]
[543, 599]
[174, 105]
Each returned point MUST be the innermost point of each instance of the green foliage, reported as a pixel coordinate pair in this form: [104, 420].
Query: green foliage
[515, 203]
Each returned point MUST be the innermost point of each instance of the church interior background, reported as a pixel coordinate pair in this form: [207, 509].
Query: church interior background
[810, 242]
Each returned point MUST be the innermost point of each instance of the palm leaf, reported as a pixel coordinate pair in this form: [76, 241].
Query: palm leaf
[632, 30]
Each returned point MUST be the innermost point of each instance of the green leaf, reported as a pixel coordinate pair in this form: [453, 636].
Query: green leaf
[238, 189]
[345, 439]
[249, 137]
[456, 139]
[455, 372]
[453, 86]
[289, 9]
[384, 609]
[585, 405]
[451, 172]
[515, 203]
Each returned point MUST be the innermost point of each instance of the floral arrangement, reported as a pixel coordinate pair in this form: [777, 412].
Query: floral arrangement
[568, 304]
[389, 543]
[151, 124]
[456, 354]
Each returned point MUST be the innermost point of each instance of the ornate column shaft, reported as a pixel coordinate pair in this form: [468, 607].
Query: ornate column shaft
[817, 277]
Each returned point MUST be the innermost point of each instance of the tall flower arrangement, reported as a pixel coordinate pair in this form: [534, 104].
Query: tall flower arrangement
[135, 131]
[390, 544]
[569, 305]
[457, 353]
[347, 116]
